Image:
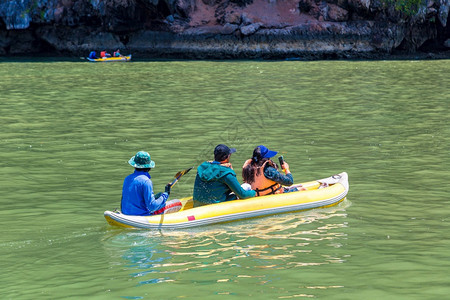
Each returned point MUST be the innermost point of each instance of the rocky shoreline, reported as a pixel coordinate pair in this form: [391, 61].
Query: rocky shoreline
[242, 29]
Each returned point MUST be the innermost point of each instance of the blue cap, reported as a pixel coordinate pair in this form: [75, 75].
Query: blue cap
[266, 153]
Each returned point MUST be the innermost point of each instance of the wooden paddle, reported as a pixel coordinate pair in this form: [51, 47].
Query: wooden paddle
[178, 175]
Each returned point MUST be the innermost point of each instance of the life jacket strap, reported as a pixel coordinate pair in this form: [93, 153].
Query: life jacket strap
[274, 188]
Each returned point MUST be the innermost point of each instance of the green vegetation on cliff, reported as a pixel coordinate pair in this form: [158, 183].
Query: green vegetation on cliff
[409, 7]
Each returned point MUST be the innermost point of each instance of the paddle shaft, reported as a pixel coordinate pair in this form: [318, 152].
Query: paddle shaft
[178, 176]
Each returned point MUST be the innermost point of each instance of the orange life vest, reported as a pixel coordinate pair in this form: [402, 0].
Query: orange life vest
[103, 54]
[261, 184]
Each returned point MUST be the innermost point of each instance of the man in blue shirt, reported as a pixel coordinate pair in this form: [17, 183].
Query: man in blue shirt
[137, 192]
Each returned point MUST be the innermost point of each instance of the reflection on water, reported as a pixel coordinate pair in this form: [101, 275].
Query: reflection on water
[236, 250]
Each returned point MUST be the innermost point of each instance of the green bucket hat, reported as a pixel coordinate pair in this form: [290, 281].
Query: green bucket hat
[141, 161]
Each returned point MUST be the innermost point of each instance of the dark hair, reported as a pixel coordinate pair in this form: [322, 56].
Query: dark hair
[143, 170]
[257, 156]
[221, 157]
[221, 152]
[254, 167]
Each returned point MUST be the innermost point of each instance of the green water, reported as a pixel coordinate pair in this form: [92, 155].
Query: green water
[68, 129]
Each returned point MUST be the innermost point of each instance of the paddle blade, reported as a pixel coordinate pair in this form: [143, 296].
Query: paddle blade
[179, 174]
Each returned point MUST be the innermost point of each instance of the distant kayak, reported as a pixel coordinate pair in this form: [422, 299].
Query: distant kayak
[111, 59]
[319, 193]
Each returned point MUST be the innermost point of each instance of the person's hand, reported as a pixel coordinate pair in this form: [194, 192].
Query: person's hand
[285, 167]
[167, 188]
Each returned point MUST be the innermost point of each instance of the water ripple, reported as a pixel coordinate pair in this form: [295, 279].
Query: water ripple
[279, 242]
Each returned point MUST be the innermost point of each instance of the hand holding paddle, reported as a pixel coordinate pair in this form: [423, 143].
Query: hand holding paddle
[177, 176]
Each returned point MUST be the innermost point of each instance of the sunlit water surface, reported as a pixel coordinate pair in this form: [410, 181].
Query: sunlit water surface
[68, 129]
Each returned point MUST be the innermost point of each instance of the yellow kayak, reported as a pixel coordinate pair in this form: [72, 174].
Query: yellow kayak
[319, 193]
[110, 59]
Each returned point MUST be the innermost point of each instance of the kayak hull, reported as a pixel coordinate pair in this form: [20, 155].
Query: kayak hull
[111, 59]
[320, 193]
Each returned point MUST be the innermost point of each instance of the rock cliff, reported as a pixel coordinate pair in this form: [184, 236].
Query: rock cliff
[305, 29]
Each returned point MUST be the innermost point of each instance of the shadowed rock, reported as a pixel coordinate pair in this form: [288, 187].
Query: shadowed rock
[221, 28]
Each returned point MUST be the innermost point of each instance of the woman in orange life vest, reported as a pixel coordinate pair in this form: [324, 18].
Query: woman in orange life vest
[104, 54]
[263, 175]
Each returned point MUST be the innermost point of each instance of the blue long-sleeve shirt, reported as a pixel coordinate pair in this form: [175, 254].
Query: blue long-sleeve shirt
[138, 197]
[275, 175]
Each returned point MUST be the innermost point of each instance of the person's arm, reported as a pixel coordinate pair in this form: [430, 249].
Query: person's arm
[235, 186]
[273, 174]
[153, 204]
